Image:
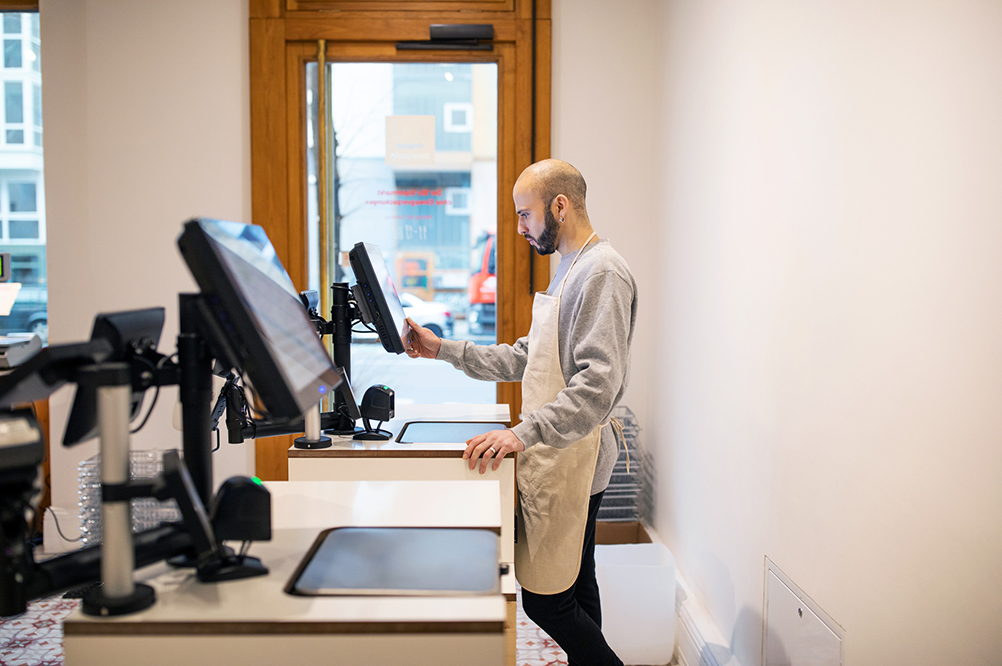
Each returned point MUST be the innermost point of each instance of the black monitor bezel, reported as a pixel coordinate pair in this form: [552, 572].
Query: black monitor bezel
[129, 333]
[365, 275]
[234, 337]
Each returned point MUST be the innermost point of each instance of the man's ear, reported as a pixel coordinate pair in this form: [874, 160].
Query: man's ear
[560, 206]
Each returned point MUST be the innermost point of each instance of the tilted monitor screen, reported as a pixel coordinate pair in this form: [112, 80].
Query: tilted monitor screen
[381, 299]
[256, 320]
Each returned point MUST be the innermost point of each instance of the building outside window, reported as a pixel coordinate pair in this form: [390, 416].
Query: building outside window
[22, 185]
[424, 214]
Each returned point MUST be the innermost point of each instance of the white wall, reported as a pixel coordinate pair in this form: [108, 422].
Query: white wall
[146, 116]
[606, 62]
[830, 368]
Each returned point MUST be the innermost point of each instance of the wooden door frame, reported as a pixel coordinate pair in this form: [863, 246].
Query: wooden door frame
[281, 40]
[19, 6]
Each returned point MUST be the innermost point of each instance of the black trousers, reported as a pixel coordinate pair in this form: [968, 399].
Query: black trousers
[573, 618]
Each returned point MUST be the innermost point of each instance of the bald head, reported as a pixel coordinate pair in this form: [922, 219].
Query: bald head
[549, 178]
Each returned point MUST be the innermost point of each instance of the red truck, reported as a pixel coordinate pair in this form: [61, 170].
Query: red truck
[482, 316]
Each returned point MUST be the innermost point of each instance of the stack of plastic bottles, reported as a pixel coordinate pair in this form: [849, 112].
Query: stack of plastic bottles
[147, 512]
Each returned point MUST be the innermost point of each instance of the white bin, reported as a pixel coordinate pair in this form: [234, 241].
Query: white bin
[637, 585]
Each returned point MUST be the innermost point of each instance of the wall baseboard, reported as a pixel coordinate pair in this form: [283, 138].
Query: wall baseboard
[689, 643]
[698, 641]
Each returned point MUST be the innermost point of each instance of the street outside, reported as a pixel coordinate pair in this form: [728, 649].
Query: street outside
[420, 380]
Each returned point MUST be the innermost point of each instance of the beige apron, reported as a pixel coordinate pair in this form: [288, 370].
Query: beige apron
[553, 484]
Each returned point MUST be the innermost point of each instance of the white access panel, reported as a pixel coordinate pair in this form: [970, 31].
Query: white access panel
[797, 631]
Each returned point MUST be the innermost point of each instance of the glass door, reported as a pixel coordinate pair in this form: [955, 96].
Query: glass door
[409, 162]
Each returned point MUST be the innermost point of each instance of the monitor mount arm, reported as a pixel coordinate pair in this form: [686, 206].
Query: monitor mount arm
[347, 307]
[344, 312]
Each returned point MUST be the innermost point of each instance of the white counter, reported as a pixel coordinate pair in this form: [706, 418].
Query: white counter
[254, 621]
[348, 460]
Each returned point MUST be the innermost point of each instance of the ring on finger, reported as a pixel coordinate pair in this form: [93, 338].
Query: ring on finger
[493, 452]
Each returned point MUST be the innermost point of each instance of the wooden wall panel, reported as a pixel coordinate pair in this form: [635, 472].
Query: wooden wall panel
[269, 168]
[269, 179]
[296, 56]
[265, 8]
[42, 416]
[18, 6]
[401, 5]
[515, 292]
[544, 45]
[509, 166]
[383, 29]
[512, 158]
[271, 457]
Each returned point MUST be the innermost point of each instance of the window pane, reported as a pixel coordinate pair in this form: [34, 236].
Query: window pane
[23, 229]
[24, 268]
[412, 168]
[13, 102]
[22, 178]
[22, 198]
[35, 56]
[36, 105]
[12, 53]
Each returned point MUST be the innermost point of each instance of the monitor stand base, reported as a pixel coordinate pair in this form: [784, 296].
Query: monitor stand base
[305, 443]
[236, 567]
[189, 560]
[96, 602]
[374, 435]
[344, 432]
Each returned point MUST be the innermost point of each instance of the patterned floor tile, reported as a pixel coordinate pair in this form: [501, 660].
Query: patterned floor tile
[532, 646]
[35, 638]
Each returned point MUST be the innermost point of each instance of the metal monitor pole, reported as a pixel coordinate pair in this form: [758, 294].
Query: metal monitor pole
[196, 397]
[119, 594]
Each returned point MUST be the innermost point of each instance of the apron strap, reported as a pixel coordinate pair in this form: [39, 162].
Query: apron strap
[561, 292]
[617, 430]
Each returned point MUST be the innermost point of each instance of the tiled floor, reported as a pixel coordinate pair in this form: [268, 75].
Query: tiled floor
[36, 637]
[532, 646]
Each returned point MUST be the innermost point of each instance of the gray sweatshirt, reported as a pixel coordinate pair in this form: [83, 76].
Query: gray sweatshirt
[598, 311]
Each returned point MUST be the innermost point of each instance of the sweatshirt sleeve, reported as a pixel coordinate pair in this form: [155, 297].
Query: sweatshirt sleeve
[493, 363]
[599, 338]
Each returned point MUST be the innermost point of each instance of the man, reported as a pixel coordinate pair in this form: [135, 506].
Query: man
[573, 366]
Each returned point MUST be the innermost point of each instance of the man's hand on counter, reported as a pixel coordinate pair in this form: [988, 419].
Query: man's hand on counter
[422, 343]
[494, 444]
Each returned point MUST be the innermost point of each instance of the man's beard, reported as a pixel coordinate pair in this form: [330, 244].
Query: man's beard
[547, 241]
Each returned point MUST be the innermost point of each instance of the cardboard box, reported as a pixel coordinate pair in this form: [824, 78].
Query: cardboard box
[614, 532]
